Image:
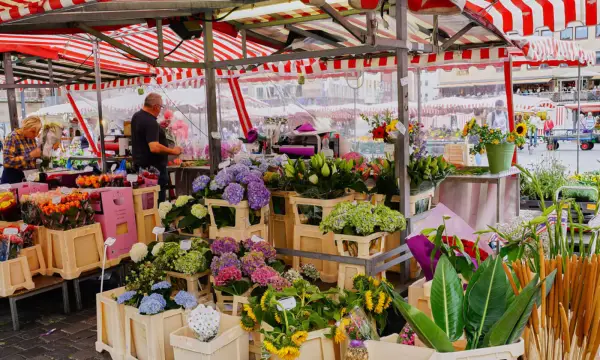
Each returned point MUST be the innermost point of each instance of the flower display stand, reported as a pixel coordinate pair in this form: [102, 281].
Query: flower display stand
[227, 303]
[242, 229]
[310, 238]
[419, 294]
[35, 259]
[110, 318]
[114, 213]
[421, 202]
[255, 338]
[281, 222]
[317, 347]
[363, 247]
[200, 232]
[192, 282]
[147, 337]
[231, 343]
[40, 237]
[15, 275]
[389, 345]
[146, 212]
[74, 251]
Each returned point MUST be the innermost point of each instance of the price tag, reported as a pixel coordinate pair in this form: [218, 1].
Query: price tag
[56, 200]
[256, 239]
[591, 206]
[110, 241]
[185, 245]
[113, 168]
[158, 230]
[224, 164]
[66, 191]
[10, 231]
[132, 178]
[404, 81]
[24, 227]
[88, 169]
[287, 303]
[215, 135]
[420, 46]
[401, 128]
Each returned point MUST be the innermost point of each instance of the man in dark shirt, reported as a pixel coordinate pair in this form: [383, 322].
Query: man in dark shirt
[149, 142]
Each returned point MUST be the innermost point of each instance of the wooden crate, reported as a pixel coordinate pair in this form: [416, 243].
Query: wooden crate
[35, 259]
[110, 319]
[310, 238]
[317, 347]
[192, 285]
[457, 154]
[255, 338]
[146, 217]
[15, 275]
[40, 237]
[231, 343]
[147, 337]
[419, 293]
[72, 252]
[242, 229]
[281, 226]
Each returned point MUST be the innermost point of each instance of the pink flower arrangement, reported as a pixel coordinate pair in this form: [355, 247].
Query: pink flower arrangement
[251, 262]
[279, 283]
[262, 275]
[227, 275]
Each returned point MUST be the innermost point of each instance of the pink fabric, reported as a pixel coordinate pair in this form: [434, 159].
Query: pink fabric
[306, 127]
[548, 125]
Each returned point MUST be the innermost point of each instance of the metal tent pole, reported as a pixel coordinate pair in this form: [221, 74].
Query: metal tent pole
[214, 137]
[418, 74]
[10, 93]
[99, 99]
[23, 108]
[401, 151]
[577, 128]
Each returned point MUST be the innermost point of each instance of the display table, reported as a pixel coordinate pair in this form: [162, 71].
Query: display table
[482, 200]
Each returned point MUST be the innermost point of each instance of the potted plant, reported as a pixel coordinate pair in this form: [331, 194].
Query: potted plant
[320, 185]
[425, 174]
[499, 146]
[237, 201]
[186, 215]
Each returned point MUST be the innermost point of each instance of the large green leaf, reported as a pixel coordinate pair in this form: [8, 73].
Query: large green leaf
[447, 299]
[486, 302]
[428, 332]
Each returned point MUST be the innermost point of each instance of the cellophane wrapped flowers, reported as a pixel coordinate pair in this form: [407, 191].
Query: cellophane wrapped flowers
[8, 206]
[204, 321]
[10, 245]
[67, 212]
[100, 181]
[362, 219]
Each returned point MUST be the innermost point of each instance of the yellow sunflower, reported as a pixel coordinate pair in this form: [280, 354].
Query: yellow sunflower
[521, 129]
[495, 141]
[510, 138]
[299, 337]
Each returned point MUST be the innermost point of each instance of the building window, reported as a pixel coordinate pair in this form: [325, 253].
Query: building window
[597, 57]
[598, 31]
[546, 33]
[581, 32]
[566, 34]
[544, 66]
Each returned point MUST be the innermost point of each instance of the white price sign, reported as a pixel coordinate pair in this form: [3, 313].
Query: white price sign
[66, 191]
[88, 169]
[56, 200]
[110, 241]
[24, 227]
[158, 230]
[185, 245]
[10, 231]
[132, 177]
[287, 303]
[256, 239]
[224, 164]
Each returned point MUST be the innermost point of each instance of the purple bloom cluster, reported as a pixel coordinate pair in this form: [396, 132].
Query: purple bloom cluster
[224, 245]
[261, 276]
[258, 195]
[246, 161]
[265, 249]
[152, 304]
[223, 178]
[251, 262]
[126, 296]
[234, 193]
[200, 183]
[223, 261]
[252, 176]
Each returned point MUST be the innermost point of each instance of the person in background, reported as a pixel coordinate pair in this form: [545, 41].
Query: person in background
[535, 123]
[548, 126]
[590, 122]
[498, 119]
[478, 115]
[149, 144]
[21, 150]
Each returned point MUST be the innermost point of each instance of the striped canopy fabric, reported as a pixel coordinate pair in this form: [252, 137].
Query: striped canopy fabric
[17, 9]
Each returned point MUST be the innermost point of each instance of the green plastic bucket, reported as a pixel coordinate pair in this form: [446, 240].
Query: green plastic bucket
[499, 156]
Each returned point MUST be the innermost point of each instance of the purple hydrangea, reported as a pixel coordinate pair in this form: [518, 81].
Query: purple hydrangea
[265, 249]
[247, 244]
[152, 305]
[200, 183]
[251, 177]
[261, 276]
[238, 171]
[126, 296]
[224, 245]
[213, 186]
[223, 261]
[279, 283]
[185, 299]
[246, 161]
[223, 178]
[258, 195]
[263, 166]
[234, 193]
[252, 261]
[161, 285]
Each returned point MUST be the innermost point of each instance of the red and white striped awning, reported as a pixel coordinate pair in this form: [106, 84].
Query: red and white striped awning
[16, 9]
[525, 17]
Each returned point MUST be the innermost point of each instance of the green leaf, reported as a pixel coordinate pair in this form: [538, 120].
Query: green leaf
[438, 244]
[486, 301]
[538, 220]
[427, 231]
[447, 299]
[428, 332]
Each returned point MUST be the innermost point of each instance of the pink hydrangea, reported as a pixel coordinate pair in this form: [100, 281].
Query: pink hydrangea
[262, 275]
[227, 275]
[279, 283]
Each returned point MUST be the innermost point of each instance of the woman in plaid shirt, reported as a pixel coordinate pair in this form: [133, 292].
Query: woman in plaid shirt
[21, 150]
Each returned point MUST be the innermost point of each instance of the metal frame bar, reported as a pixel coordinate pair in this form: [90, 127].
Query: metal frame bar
[338, 17]
[27, 86]
[77, 77]
[99, 100]
[50, 74]
[276, 44]
[457, 36]
[308, 34]
[11, 96]
[295, 20]
[159, 39]
[214, 138]
[244, 45]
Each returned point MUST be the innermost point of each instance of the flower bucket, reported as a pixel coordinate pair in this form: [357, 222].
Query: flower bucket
[499, 156]
[147, 337]
[110, 318]
[231, 343]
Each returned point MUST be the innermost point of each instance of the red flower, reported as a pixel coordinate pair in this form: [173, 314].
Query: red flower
[379, 132]
[469, 247]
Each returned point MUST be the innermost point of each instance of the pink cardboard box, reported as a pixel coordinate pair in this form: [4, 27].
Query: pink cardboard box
[26, 188]
[114, 212]
[148, 199]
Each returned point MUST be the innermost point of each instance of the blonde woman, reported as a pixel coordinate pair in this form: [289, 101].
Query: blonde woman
[21, 150]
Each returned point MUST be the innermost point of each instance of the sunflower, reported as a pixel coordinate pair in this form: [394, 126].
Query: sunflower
[299, 337]
[495, 142]
[510, 138]
[521, 129]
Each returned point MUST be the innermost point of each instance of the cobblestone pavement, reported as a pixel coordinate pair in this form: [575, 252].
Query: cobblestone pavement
[46, 333]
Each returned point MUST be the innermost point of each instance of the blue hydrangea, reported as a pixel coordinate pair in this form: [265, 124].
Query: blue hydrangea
[251, 177]
[223, 178]
[185, 299]
[161, 285]
[234, 193]
[126, 296]
[151, 306]
[263, 167]
[200, 183]
[246, 161]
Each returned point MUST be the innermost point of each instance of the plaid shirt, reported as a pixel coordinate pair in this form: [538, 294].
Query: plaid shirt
[16, 151]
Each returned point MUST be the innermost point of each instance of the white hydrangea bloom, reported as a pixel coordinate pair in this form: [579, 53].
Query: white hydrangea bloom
[138, 252]
[164, 208]
[182, 200]
[199, 211]
[157, 248]
[204, 321]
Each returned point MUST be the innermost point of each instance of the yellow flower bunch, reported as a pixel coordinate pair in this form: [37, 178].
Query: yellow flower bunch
[340, 331]
[285, 353]
[263, 300]
[380, 303]
[299, 337]
[391, 126]
[250, 313]
[369, 300]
